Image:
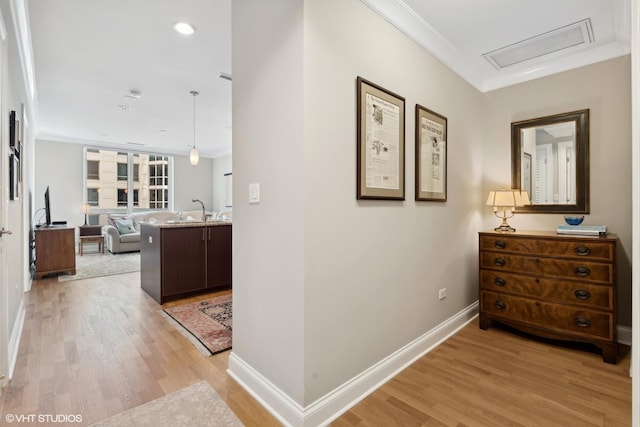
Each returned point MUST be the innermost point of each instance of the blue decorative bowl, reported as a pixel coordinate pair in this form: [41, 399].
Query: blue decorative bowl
[574, 220]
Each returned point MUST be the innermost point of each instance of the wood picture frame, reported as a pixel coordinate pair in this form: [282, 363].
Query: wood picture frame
[380, 142]
[431, 155]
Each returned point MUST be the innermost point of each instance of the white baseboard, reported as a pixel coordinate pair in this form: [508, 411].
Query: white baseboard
[14, 341]
[624, 335]
[339, 400]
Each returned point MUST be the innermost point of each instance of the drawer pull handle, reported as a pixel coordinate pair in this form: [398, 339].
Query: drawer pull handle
[500, 244]
[582, 294]
[500, 305]
[582, 250]
[582, 322]
[500, 262]
[582, 271]
[500, 281]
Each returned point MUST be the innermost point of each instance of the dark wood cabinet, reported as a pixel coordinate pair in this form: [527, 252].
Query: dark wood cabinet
[218, 257]
[555, 286]
[180, 261]
[54, 251]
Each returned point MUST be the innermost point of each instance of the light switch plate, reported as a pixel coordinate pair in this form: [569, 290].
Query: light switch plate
[254, 193]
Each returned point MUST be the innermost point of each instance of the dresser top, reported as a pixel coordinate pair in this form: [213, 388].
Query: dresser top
[545, 233]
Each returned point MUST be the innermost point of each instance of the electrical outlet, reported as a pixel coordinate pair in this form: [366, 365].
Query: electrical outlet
[442, 293]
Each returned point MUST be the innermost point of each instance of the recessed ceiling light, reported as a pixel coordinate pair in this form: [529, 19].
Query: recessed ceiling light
[184, 28]
[133, 95]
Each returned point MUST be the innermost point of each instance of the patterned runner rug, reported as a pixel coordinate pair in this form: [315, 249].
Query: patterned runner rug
[96, 265]
[196, 405]
[207, 323]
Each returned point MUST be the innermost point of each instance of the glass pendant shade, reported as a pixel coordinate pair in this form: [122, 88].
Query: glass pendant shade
[194, 156]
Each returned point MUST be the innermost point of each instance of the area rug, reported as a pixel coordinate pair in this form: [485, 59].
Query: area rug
[206, 323]
[97, 265]
[196, 405]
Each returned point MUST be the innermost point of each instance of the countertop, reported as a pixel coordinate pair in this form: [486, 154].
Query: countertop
[185, 224]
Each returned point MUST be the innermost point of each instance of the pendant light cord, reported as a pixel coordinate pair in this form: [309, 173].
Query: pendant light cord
[194, 93]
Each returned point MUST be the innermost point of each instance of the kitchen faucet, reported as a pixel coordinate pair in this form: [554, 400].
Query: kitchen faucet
[204, 217]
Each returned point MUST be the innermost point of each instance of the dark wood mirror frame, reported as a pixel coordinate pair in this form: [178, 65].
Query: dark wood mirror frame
[581, 119]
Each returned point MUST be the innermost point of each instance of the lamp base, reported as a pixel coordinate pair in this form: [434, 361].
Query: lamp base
[505, 228]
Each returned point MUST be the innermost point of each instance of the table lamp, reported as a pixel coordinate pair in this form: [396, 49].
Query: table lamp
[506, 201]
[85, 209]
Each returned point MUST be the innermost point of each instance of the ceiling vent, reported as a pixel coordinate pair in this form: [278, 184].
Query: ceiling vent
[573, 35]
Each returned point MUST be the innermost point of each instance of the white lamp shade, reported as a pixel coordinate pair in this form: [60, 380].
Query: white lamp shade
[194, 156]
[85, 209]
[508, 198]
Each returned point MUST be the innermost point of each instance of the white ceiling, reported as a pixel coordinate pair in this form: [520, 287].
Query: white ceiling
[89, 54]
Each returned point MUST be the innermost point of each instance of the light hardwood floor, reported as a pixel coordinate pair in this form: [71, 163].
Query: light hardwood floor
[97, 347]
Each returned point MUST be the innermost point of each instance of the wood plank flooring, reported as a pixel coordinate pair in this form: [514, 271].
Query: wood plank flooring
[97, 347]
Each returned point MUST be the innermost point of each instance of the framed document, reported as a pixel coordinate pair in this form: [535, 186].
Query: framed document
[431, 155]
[380, 134]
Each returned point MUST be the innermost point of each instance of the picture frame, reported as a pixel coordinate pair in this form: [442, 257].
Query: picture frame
[14, 188]
[431, 155]
[14, 131]
[380, 142]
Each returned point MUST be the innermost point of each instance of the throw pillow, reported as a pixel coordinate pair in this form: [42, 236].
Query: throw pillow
[113, 218]
[125, 226]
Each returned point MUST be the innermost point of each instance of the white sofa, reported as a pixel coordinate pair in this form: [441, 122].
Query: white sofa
[122, 232]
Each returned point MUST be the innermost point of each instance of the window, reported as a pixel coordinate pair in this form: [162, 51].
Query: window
[93, 169]
[122, 197]
[107, 184]
[92, 196]
[122, 171]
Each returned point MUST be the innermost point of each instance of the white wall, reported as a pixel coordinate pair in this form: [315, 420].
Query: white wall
[221, 166]
[603, 88]
[325, 286]
[373, 268]
[192, 182]
[268, 277]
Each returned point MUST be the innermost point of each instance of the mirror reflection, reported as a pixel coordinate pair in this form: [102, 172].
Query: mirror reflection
[548, 159]
[550, 162]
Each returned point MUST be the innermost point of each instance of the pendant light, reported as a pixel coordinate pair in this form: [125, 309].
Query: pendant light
[194, 156]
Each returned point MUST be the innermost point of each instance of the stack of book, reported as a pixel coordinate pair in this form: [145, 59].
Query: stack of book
[584, 230]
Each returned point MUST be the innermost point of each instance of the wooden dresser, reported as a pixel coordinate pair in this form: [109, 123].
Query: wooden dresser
[554, 286]
[55, 251]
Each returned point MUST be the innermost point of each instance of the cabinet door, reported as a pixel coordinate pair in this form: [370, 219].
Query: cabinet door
[219, 256]
[183, 260]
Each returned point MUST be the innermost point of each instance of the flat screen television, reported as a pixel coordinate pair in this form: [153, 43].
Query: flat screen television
[47, 207]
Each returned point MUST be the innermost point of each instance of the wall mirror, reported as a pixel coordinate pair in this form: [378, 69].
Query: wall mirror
[550, 160]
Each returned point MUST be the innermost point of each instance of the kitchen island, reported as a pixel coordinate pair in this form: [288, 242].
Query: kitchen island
[184, 258]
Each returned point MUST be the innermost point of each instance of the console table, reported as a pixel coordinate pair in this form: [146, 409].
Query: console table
[55, 250]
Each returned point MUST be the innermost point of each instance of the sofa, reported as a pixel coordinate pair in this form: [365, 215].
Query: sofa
[122, 231]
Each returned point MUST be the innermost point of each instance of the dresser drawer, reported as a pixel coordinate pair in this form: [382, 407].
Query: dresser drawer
[547, 315]
[548, 267]
[566, 291]
[563, 247]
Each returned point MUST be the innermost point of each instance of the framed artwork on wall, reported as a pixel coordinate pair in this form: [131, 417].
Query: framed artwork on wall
[14, 166]
[431, 155]
[380, 142]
